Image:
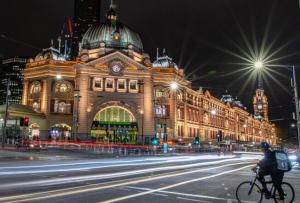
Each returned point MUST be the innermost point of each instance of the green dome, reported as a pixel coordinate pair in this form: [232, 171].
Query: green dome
[111, 34]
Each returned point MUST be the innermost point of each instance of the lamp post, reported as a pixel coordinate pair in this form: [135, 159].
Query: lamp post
[76, 114]
[297, 103]
[8, 93]
[142, 115]
[174, 86]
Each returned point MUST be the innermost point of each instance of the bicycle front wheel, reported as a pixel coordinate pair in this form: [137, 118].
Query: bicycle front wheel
[248, 192]
[289, 193]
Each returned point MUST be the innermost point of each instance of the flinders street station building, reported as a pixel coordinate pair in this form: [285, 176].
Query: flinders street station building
[114, 92]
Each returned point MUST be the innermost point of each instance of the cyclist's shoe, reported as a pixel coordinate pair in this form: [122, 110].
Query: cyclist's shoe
[281, 201]
[267, 193]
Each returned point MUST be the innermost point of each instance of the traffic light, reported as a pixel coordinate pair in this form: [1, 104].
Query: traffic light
[24, 121]
[154, 141]
[21, 121]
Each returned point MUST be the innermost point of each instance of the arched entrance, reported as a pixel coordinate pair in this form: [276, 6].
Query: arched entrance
[115, 124]
[61, 131]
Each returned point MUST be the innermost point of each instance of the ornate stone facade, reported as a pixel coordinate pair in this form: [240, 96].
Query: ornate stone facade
[113, 93]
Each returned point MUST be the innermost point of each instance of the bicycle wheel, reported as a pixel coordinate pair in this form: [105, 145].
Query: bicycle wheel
[289, 193]
[243, 193]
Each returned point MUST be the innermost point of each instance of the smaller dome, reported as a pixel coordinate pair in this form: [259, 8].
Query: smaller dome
[164, 62]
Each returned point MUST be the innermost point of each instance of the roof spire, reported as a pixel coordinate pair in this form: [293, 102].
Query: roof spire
[164, 52]
[112, 14]
[157, 53]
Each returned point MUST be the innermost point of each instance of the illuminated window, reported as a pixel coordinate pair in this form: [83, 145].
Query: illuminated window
[158, 93]
[36, 106]
[122, 84]
[133, 85]
[160, 110]
[98, 83]
[115, 114]
[109, 84]
[63, 87]
[36, 88]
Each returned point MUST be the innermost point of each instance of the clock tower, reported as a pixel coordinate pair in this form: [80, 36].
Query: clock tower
[260, 105]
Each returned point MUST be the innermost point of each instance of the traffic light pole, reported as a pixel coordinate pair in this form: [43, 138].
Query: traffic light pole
[6, 113]
[297, 105]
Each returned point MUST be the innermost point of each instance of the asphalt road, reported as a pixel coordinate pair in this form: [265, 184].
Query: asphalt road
[202, 178]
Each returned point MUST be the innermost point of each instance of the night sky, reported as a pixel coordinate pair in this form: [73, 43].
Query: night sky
[196, 34]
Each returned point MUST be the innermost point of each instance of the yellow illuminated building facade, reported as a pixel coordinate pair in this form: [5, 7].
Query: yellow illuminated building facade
[114, 93]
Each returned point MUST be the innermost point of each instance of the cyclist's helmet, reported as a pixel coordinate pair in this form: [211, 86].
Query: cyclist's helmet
[264, 145]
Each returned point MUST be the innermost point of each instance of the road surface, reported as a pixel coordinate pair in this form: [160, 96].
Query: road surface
[194, 178]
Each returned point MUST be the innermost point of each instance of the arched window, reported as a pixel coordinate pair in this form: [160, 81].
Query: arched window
[63, 87]
[36, 88]
[62, 107]
[115, 114]
[36, 106]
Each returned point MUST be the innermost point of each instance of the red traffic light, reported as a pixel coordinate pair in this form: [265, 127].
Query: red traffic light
[26, 121]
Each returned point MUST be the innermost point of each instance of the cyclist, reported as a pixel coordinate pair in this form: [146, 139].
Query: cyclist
[268, 166]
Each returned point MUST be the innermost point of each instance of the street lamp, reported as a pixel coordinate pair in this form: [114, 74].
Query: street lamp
[213, 112]
[142, 115]
[174, 86]
[58, 77]
[258, 64]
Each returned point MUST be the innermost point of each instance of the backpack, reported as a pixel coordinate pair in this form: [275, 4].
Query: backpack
[283, 161]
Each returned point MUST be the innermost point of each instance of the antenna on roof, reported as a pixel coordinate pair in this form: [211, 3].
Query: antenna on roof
[157, 53]
[164, 51]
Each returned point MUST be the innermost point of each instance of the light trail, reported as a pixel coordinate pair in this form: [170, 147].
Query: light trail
[58, 181]
[85, 189]
[83, 166]
[174, 185]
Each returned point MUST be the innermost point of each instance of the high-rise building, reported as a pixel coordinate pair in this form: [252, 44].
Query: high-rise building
[12, 69]
[86, 14]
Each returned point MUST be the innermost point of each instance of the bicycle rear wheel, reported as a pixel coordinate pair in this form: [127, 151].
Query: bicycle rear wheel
[244, 193]
[289, 193]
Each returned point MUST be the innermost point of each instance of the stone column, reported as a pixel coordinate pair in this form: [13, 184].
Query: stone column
[148, 108]
[46, 96]
[83, 86]
[25, 92]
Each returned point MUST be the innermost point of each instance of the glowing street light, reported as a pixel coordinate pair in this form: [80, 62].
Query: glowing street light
[58, 77]
[174, 86]
[213, 112]
[258, 64]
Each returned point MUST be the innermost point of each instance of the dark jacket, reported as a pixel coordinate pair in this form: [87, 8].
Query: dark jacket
[269, 161]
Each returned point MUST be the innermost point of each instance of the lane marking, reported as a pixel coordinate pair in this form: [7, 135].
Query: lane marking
[193, 200]
[180, 193]
[84, 189]
[174, 185]
[157, 194]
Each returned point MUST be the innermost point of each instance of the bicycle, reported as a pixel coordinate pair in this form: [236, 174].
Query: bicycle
[250, 191]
